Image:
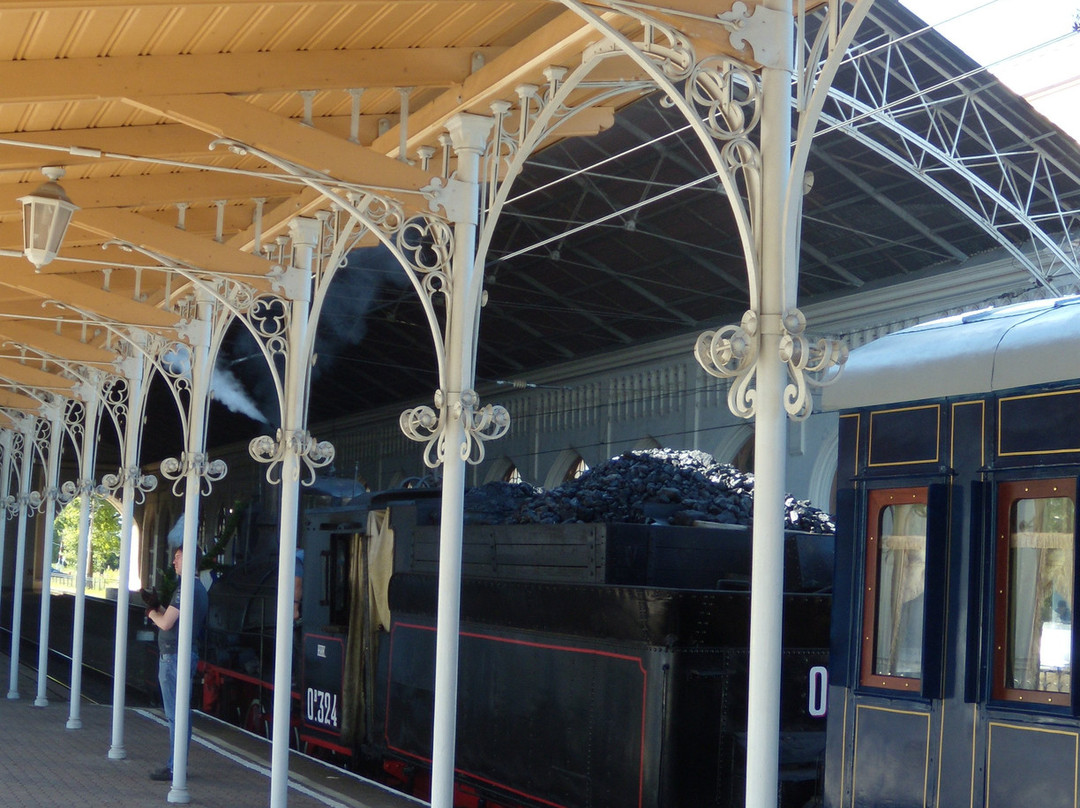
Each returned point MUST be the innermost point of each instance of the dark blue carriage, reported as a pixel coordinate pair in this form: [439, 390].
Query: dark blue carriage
[951, 657]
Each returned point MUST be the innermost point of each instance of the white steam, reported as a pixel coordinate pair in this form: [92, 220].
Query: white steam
[228, 390]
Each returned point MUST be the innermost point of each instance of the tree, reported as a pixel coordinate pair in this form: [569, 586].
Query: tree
[104, 535]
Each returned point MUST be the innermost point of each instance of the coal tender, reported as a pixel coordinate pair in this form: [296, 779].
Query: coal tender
[604, 634]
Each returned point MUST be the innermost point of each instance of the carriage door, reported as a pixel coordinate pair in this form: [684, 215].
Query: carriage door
[892, 714]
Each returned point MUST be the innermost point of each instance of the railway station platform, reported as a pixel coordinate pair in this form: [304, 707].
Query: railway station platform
[45, 765]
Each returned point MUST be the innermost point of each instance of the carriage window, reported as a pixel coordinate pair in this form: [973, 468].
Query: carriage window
[1033, 623]
[895, 581]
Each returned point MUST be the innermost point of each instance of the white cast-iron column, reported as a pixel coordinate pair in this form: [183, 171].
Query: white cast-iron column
[134, 484]
[91, 408]
[770, 432]
[305, 234]
[6, 442]
[468, 135]
[194, 470]
[54, 412]
[28, 430]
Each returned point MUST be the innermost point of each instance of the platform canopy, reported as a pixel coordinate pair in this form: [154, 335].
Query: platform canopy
[145, 106]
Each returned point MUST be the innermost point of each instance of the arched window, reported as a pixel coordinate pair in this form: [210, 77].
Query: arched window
[569, 465]
[576, 469]
[744, 458]
[503, 470]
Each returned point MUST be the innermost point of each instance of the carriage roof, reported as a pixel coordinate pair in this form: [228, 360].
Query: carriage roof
[992, 349]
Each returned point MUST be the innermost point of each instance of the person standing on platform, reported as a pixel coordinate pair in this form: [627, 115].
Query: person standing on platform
[167, 619]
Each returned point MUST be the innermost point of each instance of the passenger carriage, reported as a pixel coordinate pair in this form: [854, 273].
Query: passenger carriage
[951, 656]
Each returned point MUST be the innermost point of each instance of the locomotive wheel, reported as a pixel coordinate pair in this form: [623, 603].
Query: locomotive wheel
[256, 719]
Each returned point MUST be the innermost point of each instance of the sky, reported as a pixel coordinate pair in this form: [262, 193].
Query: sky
[1029, 45]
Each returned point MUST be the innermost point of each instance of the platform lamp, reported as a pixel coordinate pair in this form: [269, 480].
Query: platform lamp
[46, 216]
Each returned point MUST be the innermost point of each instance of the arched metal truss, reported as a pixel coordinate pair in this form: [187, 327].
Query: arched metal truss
[939, 117]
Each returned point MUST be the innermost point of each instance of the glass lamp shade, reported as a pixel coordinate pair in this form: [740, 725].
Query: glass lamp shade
[46, 215]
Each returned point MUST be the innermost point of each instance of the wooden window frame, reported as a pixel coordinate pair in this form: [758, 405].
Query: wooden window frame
[877, 500]
[1009, 492]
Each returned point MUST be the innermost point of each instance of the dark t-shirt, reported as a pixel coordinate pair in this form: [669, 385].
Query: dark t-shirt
[169, 639]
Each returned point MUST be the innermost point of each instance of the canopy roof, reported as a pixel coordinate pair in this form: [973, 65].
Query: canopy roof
[617, 234]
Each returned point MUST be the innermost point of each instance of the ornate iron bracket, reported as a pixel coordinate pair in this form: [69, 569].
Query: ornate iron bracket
[64, 493]
[199, 463]
[424, 425]
[142, 484]
[809, 364]
[313, 454]
[33, 502]
[732, 352]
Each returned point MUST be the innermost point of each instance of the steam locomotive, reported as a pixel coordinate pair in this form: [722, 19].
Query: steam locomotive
[602, 664]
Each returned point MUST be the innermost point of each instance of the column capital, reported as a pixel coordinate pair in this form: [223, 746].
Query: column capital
[469, 131]
[304, 231]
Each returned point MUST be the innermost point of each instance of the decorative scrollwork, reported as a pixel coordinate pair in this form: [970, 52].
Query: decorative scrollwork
[728, 95]
[731, 352]
[428, 245]
[481, 424]
[141, 484]
[174, 359]
[15, 450]
[63, 494]
[114, 391]
[197, 464]
[236, 295]
[269, 316]
[671, 48]
[32, 502]
[809, 364]
[42, 436]
[423, 425]
[311, 453]
[384, 213]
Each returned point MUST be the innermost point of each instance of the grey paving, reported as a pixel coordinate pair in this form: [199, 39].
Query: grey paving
[44, 764]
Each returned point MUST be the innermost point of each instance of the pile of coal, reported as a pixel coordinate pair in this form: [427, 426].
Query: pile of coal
[679, 487]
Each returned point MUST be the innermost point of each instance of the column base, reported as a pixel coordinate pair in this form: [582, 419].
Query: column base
[74, 723]
[41, 702]
[117, 753]
[179, 795]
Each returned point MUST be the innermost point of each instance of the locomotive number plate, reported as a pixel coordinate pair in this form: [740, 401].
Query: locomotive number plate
[321, 709]
[324, 669]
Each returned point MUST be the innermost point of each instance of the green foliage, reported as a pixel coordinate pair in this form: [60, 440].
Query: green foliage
[104, 536]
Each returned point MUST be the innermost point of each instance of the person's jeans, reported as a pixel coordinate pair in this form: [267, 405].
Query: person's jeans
[167, 681]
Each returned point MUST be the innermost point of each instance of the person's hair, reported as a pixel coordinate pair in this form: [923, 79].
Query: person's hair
[198, 554]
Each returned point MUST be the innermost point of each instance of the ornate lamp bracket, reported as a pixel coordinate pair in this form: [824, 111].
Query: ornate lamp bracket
[481, 424]
[313, 454]
[198, 463]
[142, 484]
